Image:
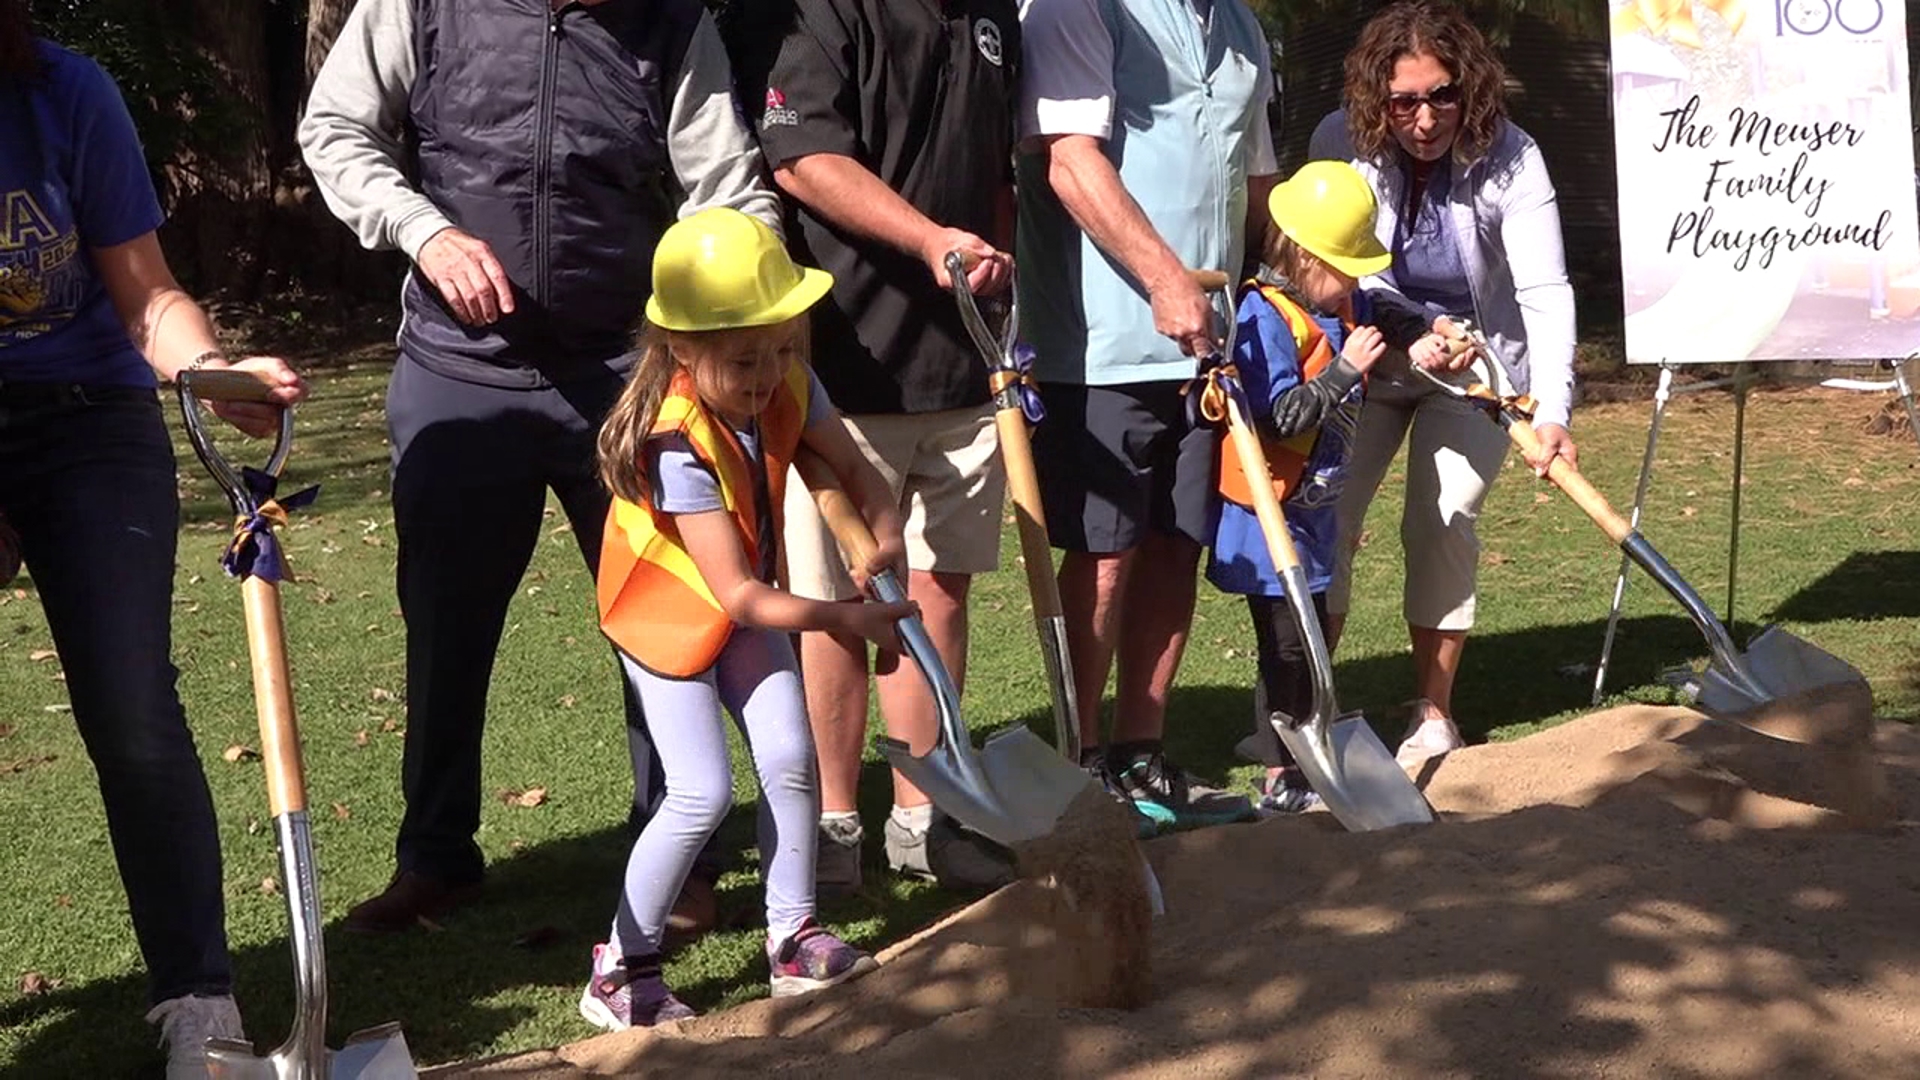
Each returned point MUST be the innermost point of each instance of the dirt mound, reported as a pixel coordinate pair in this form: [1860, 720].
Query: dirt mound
[1636, 893]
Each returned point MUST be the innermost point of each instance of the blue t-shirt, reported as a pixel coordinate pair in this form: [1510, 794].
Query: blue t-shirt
[72, 179]
[683, 484]
[1269, 364]
[1427, 266]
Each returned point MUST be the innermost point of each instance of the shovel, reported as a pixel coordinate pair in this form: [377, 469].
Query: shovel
[378, 1053]
[1018, 404]
[1776, 684]
[1343, 757]
[1013, 789]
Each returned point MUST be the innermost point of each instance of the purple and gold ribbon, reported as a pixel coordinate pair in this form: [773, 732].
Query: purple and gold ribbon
[254, 551]
[1019, 378]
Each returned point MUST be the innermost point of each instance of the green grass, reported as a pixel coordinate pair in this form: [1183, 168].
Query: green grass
[1827, 547]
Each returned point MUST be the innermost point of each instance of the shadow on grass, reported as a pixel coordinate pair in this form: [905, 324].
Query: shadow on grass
[532, 932]
[1866, 585]
[546, 905]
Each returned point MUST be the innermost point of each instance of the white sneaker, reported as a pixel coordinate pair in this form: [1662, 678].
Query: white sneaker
[1430, 733]
[186, 1023]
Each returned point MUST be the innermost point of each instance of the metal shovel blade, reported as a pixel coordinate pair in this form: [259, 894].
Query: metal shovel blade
[378, 1053]
[1351, 770]
[1014, 790]
[1795, 679]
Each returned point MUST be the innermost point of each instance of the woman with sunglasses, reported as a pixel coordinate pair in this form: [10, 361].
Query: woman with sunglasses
[1469, 214]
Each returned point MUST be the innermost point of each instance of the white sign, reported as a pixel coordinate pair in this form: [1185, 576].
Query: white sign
[1767, 187]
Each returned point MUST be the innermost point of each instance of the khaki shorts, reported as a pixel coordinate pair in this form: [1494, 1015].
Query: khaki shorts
[944, 471]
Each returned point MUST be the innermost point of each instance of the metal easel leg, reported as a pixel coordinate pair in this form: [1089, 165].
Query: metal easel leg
[1905, 390]
[1741, 380]
[1661, 395]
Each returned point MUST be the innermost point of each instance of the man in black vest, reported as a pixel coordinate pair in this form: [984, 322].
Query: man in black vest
[526, 155]
[890, 125]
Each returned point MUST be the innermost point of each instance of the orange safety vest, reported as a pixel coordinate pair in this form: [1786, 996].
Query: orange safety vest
[654, 604]
[1286, 458]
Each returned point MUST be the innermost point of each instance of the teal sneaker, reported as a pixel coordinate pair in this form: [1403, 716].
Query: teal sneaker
[1173, 798]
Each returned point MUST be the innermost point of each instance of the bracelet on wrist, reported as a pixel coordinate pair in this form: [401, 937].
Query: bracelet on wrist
[204, 359]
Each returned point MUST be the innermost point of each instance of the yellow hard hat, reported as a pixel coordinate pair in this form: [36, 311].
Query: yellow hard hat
[720, 269]
[1328, 209]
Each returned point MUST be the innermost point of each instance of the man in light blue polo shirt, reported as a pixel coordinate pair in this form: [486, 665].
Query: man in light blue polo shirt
[1144, 148]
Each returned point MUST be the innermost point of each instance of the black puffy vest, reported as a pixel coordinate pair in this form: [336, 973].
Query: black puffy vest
[544, 134]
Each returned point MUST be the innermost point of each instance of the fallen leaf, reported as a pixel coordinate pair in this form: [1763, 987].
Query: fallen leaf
[34, 984]
[1496, 558]
[381, 693]
[21, 765]
[1688, 511]
[5, 730]
[341, 812]
[566, 701]
[529, 798]
[1233, 654]
[360, 737]
[389, 726]
[1542, 497]
[1853, 481]
[38, 655]
[322, 596]
[253, 826]
[539, 937]
[63, 901]
[269, 886]
[238, 752]
[60, 708]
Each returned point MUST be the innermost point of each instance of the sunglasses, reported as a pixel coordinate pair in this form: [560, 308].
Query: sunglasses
[1444, 98]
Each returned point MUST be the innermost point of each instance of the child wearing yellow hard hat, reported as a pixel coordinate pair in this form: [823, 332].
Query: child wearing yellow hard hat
[696, 454]
[1305, 342]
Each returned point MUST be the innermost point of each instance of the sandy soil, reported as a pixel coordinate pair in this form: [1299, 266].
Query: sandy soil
[1634, 894]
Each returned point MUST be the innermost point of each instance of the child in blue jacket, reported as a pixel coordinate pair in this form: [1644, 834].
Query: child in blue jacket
[1305, 343]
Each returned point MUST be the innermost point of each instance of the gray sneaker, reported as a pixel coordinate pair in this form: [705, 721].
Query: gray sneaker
[952, 856]
[836, 859]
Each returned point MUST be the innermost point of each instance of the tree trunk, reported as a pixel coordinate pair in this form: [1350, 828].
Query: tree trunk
[223, 184]
[324, 19]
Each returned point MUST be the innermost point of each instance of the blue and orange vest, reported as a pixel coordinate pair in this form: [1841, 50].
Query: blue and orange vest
[654, 605]
[1286, 458]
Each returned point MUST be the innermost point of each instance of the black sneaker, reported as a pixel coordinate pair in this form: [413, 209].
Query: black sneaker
[1172, 797]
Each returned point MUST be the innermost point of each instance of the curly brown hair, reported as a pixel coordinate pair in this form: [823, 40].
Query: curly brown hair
[1439, 30]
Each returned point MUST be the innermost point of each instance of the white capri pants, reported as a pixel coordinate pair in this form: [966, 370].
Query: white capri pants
[1453, 454]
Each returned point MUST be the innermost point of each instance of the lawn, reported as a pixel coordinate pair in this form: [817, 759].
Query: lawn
[1827, 549]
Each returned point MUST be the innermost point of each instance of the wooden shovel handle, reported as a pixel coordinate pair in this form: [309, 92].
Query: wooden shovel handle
[1023, 481]
[836, 507]
[226, 384]
[1266, 505]
[1208, 280]
[1568, 479]
[273, 697]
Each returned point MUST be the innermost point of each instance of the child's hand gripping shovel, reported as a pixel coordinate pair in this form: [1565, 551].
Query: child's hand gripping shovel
[1012, 790]
[1780, 685]
[377, 1053]
[1017, 405]
[1344, 759]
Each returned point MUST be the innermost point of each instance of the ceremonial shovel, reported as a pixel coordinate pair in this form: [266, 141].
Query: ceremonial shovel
[1771, 687]
[1018, 404]
[1012, 790]
[1345, 761]
[378, 1053]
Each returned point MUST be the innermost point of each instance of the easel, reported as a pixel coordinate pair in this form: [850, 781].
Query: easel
[1741, 381]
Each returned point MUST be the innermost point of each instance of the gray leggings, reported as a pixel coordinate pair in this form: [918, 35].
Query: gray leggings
[757, 680]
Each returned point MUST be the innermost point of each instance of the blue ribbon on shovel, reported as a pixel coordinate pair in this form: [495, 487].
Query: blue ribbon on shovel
[1019, 378]
[254, 550]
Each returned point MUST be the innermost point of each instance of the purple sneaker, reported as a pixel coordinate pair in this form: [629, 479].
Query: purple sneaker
[627, 993]
[814, 959]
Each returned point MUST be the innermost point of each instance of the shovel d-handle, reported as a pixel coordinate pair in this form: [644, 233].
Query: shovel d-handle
[222, 385]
